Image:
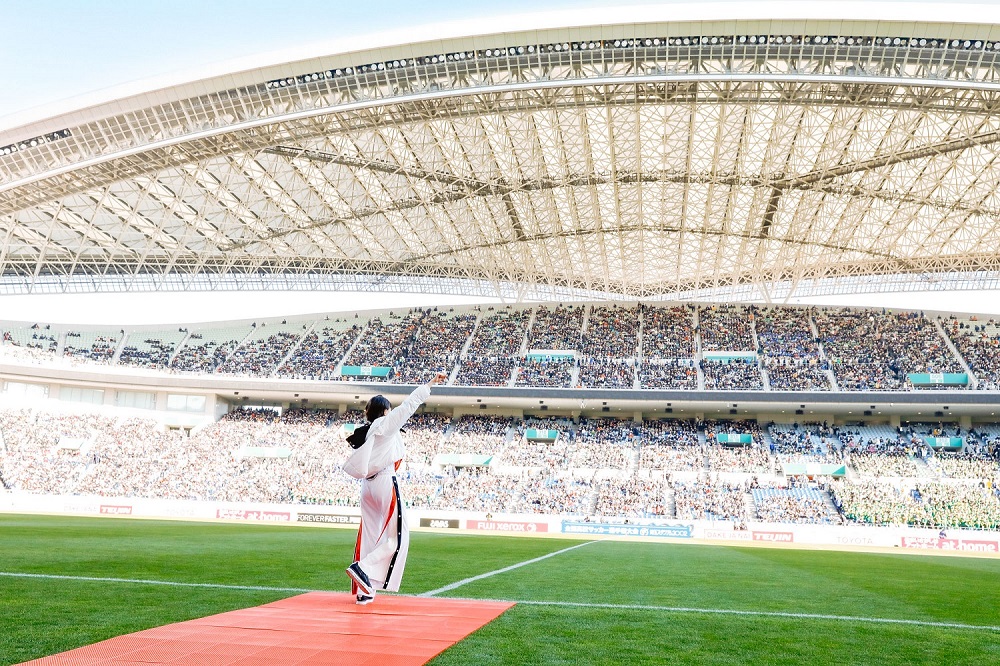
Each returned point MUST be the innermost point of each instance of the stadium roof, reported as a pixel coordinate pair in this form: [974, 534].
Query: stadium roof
[660, 152]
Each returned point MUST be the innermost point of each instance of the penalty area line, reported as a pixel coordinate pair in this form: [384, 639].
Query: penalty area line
[488, 574]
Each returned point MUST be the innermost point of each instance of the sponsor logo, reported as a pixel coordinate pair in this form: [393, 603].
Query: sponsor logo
[919, 542]
[177, 512]
[978, 546]
[935, 543]
[729, 535]
[505, 526]
[440, 523]
[774, 537]
[855, 541]
[241, 514]
[666, 531]
[70, 507]
[113, 510]
[336, 518]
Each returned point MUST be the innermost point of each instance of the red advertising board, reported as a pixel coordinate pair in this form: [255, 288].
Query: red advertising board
[116, 510]
[242, 514]
[774, 537]
[506, 526]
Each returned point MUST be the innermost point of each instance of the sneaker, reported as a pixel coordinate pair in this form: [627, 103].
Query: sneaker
[365, 599]
[361, 578]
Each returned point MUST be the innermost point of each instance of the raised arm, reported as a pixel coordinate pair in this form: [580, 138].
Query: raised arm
[395, 419]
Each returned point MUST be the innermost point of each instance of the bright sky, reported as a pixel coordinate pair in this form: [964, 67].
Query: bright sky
[58, 49]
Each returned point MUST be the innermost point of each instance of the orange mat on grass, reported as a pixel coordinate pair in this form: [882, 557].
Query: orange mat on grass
[310, 629]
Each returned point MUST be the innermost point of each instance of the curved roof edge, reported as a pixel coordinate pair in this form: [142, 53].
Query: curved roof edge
[636, 20]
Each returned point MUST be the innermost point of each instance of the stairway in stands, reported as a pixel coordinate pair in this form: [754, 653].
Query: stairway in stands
[592, 503]
[750, 507]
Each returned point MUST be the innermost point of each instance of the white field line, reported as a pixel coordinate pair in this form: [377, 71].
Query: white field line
[466, 581]
[795, 616]
[533, 602]
[139, 581]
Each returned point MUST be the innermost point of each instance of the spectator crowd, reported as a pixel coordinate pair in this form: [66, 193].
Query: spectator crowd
[605, 468]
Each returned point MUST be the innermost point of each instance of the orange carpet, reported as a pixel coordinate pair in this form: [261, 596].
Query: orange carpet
[310, 629]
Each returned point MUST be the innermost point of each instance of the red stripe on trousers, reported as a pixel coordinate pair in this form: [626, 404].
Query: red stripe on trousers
[357, 556]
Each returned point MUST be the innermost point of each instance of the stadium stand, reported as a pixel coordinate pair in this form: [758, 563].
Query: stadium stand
[491, 356]
[151, 349]
[207, 349]
[608, 468]
[979, 344]
[474, 434]
[667, 333]
[91, 346]
[609, 347]
[384, 344]
[670, 445]
[264, 349]
[794, 505]
[437, 346]
[633, 497]
[321, 350]
[483, 490]
[556, 328]
[604, 444]
[668, 349]
[812, 443]
[706, 500]
[872, 350]
[35, 342]
[550, 372]
[789, 352]
[734, 348]
[735, 374]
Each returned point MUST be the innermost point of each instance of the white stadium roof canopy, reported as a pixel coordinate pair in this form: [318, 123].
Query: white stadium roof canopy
[651, 153]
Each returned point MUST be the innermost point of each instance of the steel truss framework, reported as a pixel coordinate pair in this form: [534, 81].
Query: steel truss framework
[619, 165]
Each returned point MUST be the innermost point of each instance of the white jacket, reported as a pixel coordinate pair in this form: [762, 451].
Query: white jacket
[384, 446]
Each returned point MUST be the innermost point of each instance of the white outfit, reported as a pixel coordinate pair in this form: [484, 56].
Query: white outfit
[383, 536]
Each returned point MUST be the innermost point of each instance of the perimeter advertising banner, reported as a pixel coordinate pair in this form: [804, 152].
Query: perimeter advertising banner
[944, 543]
[329, 518]
[245, 514]
[440, 523]
[774, 537]
[514, 526]
[613, 529]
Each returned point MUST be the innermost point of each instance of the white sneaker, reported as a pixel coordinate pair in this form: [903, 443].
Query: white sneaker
[365, 599]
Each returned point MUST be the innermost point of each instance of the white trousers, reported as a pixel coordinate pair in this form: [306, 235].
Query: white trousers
[384, 535]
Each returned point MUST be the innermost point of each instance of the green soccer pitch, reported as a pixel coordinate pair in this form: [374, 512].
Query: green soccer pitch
[602, 602]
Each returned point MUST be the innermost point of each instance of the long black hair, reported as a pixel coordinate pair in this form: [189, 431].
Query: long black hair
[375, 408]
